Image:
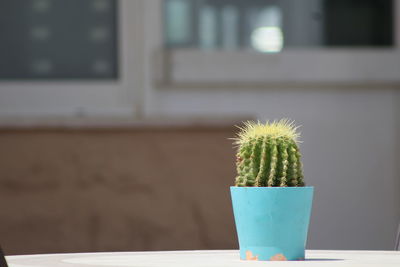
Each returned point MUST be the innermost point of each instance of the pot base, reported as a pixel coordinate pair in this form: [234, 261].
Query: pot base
[269, 254]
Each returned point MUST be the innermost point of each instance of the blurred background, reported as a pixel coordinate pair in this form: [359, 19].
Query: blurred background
[115, 118]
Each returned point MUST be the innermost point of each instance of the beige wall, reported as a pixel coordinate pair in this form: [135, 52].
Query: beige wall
[116, 189]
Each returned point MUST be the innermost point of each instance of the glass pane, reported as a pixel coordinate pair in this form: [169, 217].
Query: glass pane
[271, 25]
[178, 30]
[58, 39]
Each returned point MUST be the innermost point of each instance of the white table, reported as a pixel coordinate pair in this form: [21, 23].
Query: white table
[204, 258]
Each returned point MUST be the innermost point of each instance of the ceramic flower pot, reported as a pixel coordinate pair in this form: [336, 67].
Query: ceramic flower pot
[272, 222]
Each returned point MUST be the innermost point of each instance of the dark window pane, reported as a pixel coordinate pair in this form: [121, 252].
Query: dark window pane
[58, 39]
[358, 22]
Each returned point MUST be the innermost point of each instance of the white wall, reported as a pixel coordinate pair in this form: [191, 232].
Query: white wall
[350, 144]
[349, 151]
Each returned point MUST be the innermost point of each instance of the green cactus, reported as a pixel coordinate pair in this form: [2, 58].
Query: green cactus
[268, 155]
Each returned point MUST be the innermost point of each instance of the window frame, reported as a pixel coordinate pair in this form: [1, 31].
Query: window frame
[81, 98]
[310, 67]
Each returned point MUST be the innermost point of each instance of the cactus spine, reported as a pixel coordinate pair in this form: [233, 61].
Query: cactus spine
[268, 155]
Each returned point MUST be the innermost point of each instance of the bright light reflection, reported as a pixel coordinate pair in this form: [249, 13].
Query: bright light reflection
[267, 39]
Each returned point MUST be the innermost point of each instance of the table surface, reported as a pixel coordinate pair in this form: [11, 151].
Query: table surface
[207, 258]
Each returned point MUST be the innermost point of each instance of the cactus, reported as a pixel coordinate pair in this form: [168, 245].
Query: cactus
[268, 155]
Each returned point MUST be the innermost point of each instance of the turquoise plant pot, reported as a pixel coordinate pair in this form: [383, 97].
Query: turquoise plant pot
[272, 222]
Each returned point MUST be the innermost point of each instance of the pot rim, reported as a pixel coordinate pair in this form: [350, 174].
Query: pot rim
[273, 187]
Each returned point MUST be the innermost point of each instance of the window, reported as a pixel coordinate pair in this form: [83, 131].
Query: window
[58, 39]
[268, 26]
[303, 41]
[70, 57]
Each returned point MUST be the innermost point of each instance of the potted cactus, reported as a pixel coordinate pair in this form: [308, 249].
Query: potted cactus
[271, 204]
